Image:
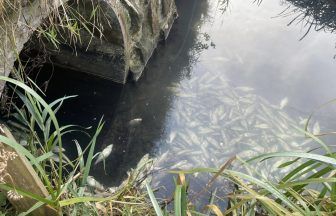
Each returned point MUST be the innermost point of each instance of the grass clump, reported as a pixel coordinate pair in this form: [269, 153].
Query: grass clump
[308, 188]
[65, 179]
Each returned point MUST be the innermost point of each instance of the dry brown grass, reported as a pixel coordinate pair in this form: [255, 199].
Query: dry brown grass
[7, 6]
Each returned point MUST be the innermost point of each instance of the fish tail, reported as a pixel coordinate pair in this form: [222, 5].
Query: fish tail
[97, 161]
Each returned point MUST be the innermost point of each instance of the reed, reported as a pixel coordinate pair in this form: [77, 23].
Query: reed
[308, 188]
[65, 180]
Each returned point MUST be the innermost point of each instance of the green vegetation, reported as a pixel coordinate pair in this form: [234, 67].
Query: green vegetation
[63, 25]
[309, 188]
[66, 186]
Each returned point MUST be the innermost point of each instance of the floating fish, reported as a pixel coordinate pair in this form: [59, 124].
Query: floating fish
[262, 126]
[283, 103]
[316, 128]
[135, 122]
[244, 88]
[303, 121]
[104, 154]
[55, 157]
[172, 137]
[213, 121]
[92, 182]
[24, 142]
[57, 149]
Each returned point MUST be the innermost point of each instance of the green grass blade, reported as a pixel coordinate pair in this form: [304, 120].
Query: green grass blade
[33, 208]
[316, 157]
[40, 100]
[92, 145]
[28, 194]
[266, 185]
[156, 206]
[177, 200]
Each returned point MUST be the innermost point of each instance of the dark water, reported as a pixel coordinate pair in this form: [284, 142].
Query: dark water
[219, 86]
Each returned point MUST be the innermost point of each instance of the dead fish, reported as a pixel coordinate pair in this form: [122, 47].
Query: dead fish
[104, 154]
[57, 149]
[112, 190]
[135, 122]
[23, 142]
[262, 126]
[244, 88]
[193, 137]
[56, 158]
[284, 103]
[172, 136]
[220, 59]
[303, 121]
[92, 182]
[316, 128]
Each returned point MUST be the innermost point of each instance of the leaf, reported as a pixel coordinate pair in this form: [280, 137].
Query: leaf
[266, 185]
[80, 156]
[40, 100]
[312, 156]
[25, 193]
[92, 145]
[177, 200]
[155, 204]
[33, 208]
[3, 199]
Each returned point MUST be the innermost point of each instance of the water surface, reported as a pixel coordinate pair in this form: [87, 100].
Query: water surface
[213, 90]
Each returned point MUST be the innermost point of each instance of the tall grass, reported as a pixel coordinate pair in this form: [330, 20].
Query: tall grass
[67, 186]
[64, 24]
[308, 188]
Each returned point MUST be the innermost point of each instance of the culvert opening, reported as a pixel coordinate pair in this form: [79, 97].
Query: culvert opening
[96, 98]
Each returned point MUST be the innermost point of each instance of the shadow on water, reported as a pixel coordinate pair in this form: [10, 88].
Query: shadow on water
[147, 99]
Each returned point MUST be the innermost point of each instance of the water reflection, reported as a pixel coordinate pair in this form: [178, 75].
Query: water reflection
[212, 91]
[149, 99]
[231, 102]
[318, 15]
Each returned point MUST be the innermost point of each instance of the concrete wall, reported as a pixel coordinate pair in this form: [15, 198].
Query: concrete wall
[17, 26]
[131, 28]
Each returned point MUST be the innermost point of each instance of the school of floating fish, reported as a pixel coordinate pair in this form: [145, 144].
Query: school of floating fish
[211, 121]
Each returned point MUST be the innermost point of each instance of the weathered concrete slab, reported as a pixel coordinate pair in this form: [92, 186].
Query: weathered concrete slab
[131, 28]
[16, 27]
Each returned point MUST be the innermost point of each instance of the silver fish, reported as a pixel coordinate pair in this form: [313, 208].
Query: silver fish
[135, 122]
[104, 154]
[244, 88]
[92, 182]
[316, 128]
[24, 142]
[283, 103]
[172, 137]
[57, 149]
[56, 158]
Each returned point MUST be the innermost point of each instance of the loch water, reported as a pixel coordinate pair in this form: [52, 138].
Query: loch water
[236, 79]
